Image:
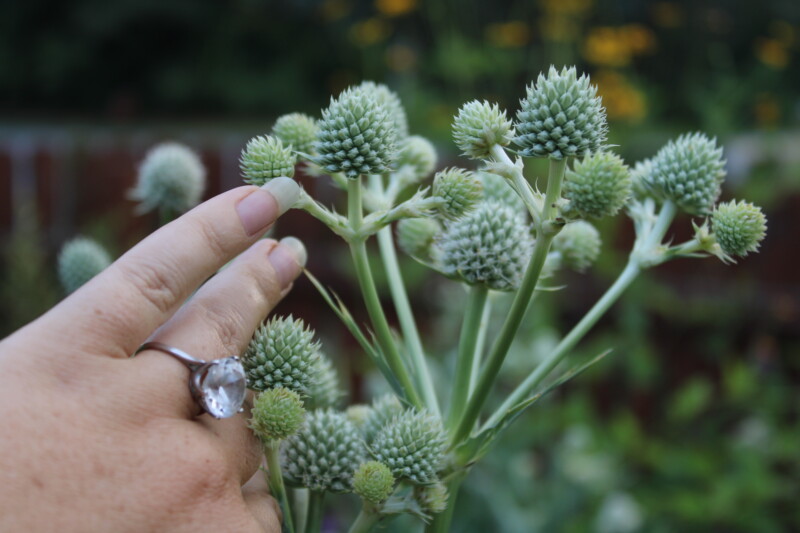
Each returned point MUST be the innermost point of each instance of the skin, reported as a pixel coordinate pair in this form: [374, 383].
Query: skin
[94, 440]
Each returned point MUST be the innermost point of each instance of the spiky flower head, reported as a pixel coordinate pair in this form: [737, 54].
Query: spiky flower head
[497, 189]
[415, 236]
[432, 499]
[282, 353]
[418, 153]
[490, 245]
[384, 95]
[277, 414]
[324, 390]
[384, 409]
[479, 126]
[739, 227]
[357, 134]
[412, 445]
[373, 481]
[579, 245]
[296, 130]
[561, 116]
[171, 178]
[598, 186]
[264, 158]
[80, 260]
[358, 415]
[640, 174]
[459, 189]
[689, 171]
[324, 454]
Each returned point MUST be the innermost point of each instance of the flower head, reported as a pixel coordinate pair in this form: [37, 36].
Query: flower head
[277, 414]
[80, 260]
[373, 481]
[265, 158]
[599, 186]
[479, 126]
[171, 177]
[296, 130]
[739, 227]
[412, 445]
[459, 189]
[579, 245]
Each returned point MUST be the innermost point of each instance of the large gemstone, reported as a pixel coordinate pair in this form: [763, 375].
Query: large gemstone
[222, 387]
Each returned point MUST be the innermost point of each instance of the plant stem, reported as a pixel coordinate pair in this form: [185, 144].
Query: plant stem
[300, 508]
[494, 361]
[366, 519]
[404, 314]
[467, 342]
[383, 334]
[521, 186]
[314, 517]
[276, 486]
[480, 345]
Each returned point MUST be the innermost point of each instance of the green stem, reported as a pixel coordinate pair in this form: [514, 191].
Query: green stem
[404, 314]
[316, 502]
[366, 519]
[467, 342]
[494, 361]
[300, 508]
[520, 184]
[276, 486]
[372, 302]
[480, 345]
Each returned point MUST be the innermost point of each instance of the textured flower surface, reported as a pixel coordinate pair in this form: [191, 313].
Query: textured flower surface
[738, 227]
[412, 445]
[561, 116]
[432, 498]
[599, 186]
[497, 188]
[459, 189]
[324, 454]
[264, 158]
[296, 130]
[479, 126]
[373, 481]
[689, 171]
[277, 414]
[491, 245]
[415, 236]
[324, 390]
[383, 410]
[418, 153]
[171, 178]
[385, 96]
[282, 353]
[357, 134]
[80, 260]
[579, 245]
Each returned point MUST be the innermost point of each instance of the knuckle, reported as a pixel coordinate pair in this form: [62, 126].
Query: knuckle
[228, 323]
[158, 282]
[218, 244]
[211, 475]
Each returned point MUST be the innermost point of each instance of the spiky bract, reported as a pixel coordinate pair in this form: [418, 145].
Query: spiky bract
[739, 227]
[412, 445]
[171, 178]
[296, 130]
[459, 189]
[384, 95]
[373, 481]
[579, 245]
[479, 126]
[80, 260]
[599, 186]
[265, 157]
[277, 414]
[432, 499]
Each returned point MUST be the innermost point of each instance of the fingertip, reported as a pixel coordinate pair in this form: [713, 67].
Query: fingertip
[288, 260]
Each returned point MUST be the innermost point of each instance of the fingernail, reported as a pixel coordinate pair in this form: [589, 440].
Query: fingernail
[258, 210]
[287, 259]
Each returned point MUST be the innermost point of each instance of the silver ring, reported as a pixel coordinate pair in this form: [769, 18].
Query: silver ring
[219, 386]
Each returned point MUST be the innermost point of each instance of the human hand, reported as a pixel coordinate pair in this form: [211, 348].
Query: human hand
[94, 440]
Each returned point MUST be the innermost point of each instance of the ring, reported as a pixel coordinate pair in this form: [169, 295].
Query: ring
[219, 386]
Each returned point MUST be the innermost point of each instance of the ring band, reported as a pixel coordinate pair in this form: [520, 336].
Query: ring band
[219, 386]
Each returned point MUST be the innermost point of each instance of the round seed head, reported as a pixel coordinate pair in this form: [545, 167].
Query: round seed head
[282, 353]
[373, 481]
[738, 227]
[491, 245]
[412, 445]
[357, 134]
[324, 390]
[599, 186]
[384, 95]
[277, 414]
[497, 189]
[418, 153]
[80, 260]
[415, 236]
[432, 498]
[383, 411]
[561, 116]
[688, 171]
[324, 454]
[264, 158]
[171, 177]
[579, 245]
[479, 126]
[459, 188]
[296, 130]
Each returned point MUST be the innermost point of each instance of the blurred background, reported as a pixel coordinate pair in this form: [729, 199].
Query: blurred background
[692, 423]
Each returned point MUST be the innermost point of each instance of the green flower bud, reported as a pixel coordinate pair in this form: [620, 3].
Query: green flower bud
[640, 174]
[432, 499]
[80, 260]
[497, 189]
[689, 171]
[324, 390]
[265, 158]
[415, 236]
[324, 454]
[561, 116]
[277, 414]
[412, 446]
[491, 245]
[358, 415]
[460, 190]
[384, 410]
[579, 245]
[738, 227]
[282, 353]
[296, 130]
[419, 154]
[357, 135]
[171, 178]
[599, 186]
[479, 126]
[373, 481]
[389, 98]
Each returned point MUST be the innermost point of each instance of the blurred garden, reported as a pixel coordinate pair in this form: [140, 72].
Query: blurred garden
[690, 423]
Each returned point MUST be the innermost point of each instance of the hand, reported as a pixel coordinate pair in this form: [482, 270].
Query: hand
[94, 440]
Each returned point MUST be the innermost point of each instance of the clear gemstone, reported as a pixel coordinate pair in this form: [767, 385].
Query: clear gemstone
[223, 387]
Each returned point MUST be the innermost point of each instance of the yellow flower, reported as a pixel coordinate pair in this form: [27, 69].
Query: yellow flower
[395, 8]
[607, 46]
[772, 53]
[622, 100]
[513, 34]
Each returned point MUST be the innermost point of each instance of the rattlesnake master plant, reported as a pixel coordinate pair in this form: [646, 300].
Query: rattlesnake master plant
[171, 179]
[488, 229]
[277, 414]
[265, 158]
[80, 260]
